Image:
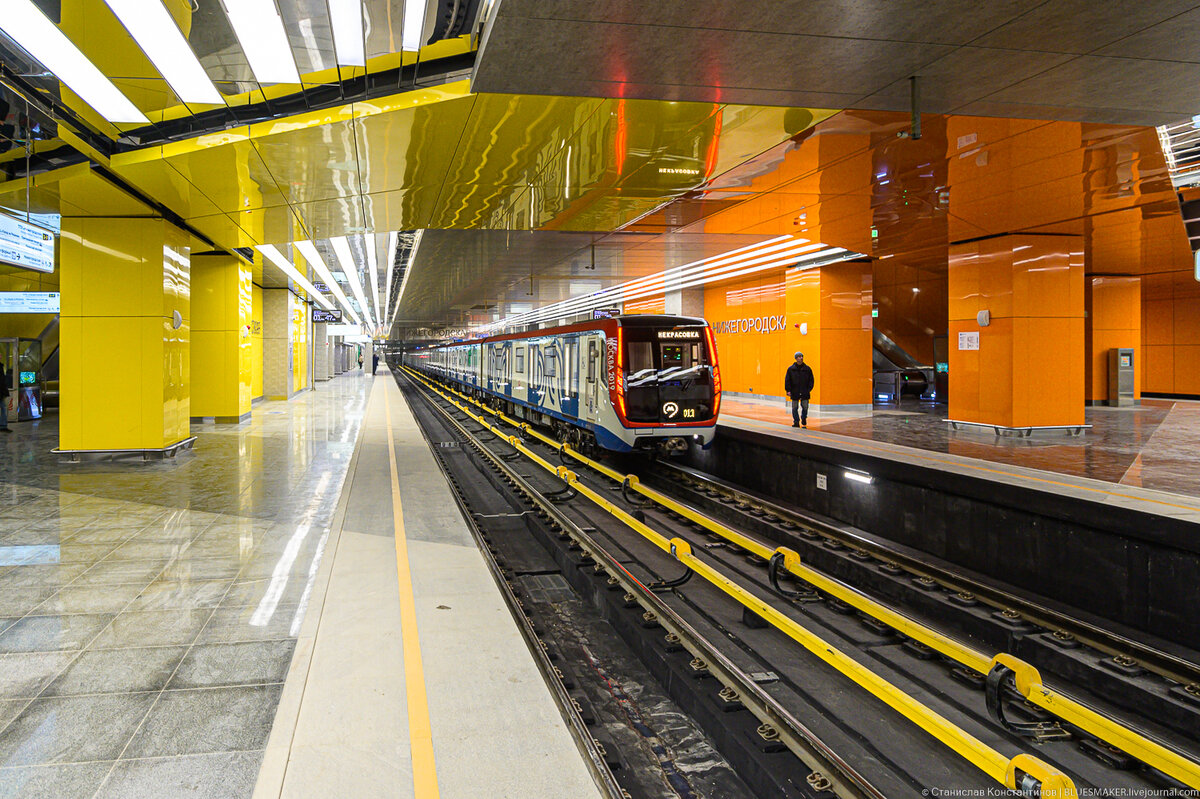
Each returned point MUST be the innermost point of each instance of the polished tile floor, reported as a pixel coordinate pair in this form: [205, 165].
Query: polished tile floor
[1152, 445]
[149, 611]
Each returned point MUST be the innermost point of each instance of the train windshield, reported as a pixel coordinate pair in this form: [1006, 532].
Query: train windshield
[668, 374]
[652, 355]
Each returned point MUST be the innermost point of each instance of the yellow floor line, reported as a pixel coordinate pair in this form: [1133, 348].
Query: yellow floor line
[420, 734]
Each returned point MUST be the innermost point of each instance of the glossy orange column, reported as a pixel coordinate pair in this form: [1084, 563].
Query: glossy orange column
[824, 313]
[1114, 319]
[1028, 369]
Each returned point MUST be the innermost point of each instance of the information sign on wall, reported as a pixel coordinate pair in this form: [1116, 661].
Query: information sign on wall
[321, 315]
[605, 313]
[25, 245]
[968, 340]
[29, 302]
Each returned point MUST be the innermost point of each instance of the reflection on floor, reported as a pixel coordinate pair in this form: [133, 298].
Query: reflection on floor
[1152, 445]
[149, 611]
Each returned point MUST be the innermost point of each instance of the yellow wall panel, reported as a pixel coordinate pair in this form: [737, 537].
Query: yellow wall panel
[256, 342]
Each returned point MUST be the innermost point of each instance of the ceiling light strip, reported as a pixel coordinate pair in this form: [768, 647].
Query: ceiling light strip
[259, 29]
[372, 243]
[22, 22]
[414, 25]
[348, 41]
[809, 259]
[341, 247]
[276, 257]
[393, 245]
[154, 30]
[314, 259]
[711, 268]
[412, 258]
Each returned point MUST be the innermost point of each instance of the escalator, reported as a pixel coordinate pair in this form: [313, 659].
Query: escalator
[898, 374]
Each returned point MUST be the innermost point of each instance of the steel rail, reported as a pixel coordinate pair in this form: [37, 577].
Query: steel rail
[1027, 680]
[1014, 773]
[800, 740]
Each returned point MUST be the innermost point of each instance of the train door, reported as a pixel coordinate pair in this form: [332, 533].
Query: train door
[593, 377]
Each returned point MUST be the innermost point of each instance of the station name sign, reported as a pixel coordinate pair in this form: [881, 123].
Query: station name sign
[25, 245]
[29, 302]
[685, 335]
[321, 315]
[755, 324]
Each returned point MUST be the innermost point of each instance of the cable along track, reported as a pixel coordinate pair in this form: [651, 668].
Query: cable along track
[742, 568]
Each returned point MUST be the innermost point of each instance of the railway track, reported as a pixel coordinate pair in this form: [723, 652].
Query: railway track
[869, 691]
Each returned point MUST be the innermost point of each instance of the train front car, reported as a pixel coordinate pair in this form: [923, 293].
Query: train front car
[664, 383]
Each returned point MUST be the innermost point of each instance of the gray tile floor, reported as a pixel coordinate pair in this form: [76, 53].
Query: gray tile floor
[1152, 445]
[149, 611]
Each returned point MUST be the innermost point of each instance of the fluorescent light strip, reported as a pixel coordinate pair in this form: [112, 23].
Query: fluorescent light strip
[414, 25]
[373, 268]
[309, 251]
[341, 246]
[259, 29]
[412, 257]
[786, 258]
[22, 22]
[617, 293]
[393, 245]
[157, 34]
[718, 268]
[276, 257]
[347, 19]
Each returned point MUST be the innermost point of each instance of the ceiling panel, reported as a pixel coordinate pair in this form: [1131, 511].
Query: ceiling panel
[1012, 58]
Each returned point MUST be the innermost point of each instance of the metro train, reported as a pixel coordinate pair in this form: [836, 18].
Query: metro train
[624, 383]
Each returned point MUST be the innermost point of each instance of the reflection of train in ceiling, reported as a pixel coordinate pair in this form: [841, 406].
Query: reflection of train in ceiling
[621, 161]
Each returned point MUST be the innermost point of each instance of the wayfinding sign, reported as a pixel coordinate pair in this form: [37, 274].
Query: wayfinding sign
[25, 245]
[29, 302]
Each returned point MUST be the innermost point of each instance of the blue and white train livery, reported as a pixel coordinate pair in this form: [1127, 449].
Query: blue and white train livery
[625, 383]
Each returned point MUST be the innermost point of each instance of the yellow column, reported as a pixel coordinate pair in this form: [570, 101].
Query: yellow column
[1026, 367]
[125, 371]
[221, 332]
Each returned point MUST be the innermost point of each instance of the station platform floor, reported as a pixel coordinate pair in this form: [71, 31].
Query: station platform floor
[295, 608]
[1142, 455]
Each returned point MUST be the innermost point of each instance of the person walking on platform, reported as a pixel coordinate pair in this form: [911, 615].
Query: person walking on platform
[798, 385]
[374, 362]
[4, 428]
[360, 359]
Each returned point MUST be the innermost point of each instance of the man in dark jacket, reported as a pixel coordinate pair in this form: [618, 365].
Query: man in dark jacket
[798, 385]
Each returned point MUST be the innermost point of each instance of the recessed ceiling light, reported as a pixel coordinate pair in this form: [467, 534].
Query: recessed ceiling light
[347, 19]
[276, 257]
[41, 38]
[414, 25]
[259, 30]
[314, 259]
[341, 246]
[157, 34]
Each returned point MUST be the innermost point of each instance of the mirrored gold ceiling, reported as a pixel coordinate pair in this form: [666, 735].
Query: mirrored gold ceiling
[445, 158]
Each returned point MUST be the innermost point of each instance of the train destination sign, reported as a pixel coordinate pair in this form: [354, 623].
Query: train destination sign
[25, 245]
[675, 335]
[29, 302]
[321, 315]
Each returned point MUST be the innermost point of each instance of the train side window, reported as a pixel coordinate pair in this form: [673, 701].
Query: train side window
[550, 364]
[520, 359]
[591, 362]
[571, 367]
